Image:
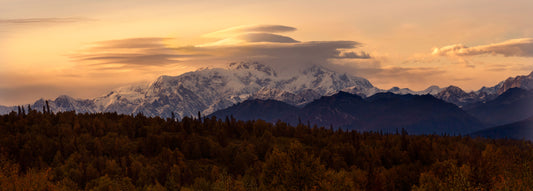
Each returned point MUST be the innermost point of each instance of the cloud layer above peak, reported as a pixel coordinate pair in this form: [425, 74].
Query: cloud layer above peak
[248, 43]
[251, 29]
[516, 47]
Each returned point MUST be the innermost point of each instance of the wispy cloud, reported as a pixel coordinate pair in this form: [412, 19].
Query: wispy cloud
[251, 28]
[515, 47]
[44, 20]
[266, 37]
[252, 38]
[132, 43]
[133, 53]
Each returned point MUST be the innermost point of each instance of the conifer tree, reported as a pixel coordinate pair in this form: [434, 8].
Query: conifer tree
[47, 107]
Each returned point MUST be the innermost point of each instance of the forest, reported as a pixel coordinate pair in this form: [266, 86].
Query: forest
[41, 150]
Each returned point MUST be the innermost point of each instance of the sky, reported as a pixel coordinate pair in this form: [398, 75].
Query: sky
[87, 48]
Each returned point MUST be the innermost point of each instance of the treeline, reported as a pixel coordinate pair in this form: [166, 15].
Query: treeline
[69, 151]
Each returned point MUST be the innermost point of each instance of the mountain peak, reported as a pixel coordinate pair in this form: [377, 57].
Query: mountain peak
[315, 69]
[394, 89]
[344, 94]
[64, 97]
[524, 82]
[253, 66]
[433, 89]
[456, 95]
[211, 89]
[454, 89]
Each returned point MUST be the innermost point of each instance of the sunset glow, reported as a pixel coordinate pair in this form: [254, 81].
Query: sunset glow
[86, 48]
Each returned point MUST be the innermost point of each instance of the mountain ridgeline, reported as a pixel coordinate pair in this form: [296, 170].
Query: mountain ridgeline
[521, 130]
[316, 95]
[418, 114]
[208, 90]
[515, 104]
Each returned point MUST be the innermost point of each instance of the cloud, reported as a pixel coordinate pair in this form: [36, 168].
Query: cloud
[252, 38]
[515, 47]
[361, 55]
[259, 43]
[249, 29]
[282, 56]
[131, 43]
[133, 53]
[43, 20]
[281, 52]
[266, 37]
[384, 75]
[132, 59]
[463, 79]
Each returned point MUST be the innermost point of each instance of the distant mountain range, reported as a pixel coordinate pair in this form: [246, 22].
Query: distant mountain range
[418, 114]
[210, 90]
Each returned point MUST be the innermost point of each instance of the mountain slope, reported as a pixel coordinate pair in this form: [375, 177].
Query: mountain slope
[418, 114]
[5, 109]
[517, 130]
[524, 82]
[513, 105]
[209, 90]
[456, 95]
[268, 110]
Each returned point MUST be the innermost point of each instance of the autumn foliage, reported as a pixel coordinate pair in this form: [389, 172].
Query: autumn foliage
[69, 151]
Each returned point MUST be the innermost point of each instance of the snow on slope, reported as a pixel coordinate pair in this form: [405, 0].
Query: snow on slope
[208, 90]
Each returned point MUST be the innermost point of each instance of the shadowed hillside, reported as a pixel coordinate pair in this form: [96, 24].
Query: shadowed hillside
[418, 114]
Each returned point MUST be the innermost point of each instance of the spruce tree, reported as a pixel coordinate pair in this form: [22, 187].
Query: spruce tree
[47, 107]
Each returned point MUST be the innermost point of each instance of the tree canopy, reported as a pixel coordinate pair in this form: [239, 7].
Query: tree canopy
[69, 151]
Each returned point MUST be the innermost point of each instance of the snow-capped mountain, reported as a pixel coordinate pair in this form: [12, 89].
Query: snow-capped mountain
[208, 90]
[461, 98]
[433, 90]
[456, 95]
[67, 103]
[6, 109]
[524, 82]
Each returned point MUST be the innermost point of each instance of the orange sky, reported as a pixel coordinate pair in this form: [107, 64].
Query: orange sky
[86, 48]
